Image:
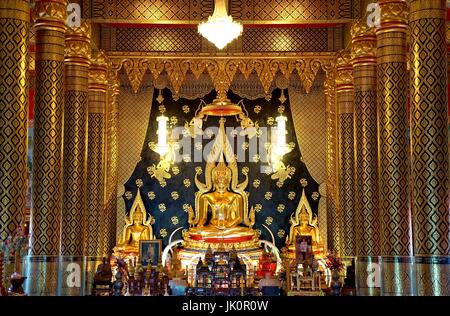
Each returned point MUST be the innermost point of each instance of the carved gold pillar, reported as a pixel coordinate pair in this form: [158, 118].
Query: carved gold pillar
[77, 62]
[42, 268]
[14, 28]
[333, 221]
[367, 222]
[429, 144]
[98, 85]
[345, 107]
[112, 164]
[396, 248]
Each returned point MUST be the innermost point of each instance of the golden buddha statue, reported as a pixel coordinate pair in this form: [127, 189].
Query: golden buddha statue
[138, 227]
[303, 224]
[223, 197]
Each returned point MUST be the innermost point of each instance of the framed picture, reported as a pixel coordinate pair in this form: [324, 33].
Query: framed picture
[303, 249]
[150, 252]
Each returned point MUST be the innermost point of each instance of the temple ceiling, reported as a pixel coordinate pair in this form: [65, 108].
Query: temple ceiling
[193, 11]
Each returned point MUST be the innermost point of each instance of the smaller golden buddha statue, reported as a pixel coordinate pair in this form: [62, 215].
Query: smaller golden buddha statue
[304, 225]
[138, 227]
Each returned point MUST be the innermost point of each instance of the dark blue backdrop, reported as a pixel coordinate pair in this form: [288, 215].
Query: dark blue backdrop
[168, 204]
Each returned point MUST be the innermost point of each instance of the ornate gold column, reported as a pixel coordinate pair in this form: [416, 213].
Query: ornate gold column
[42, 268]
[429, 144]
[77, 62]
[333, 221]
[14, 28]
[345, 106]
[98, 85]
[396, 248]
[112, 164]
[367, 222]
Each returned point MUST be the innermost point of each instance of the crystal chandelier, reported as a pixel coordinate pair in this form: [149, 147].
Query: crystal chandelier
[220, 29]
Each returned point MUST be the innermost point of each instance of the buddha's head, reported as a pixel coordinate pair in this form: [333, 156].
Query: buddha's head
[221, 177]
[138, 216]
[304, 217]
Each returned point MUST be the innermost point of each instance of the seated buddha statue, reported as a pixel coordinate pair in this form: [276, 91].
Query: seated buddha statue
[303, 225]
[137, 228]
[227, 209]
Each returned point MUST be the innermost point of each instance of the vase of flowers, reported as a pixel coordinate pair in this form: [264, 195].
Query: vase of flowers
[335, 265]
[16, 247]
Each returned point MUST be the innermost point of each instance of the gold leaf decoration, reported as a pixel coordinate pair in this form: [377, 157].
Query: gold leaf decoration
[280, 208]
[258, 208]
[151, 195]
[269, 220]
[186, 207]
[163, 232]
[174, 195]
[268, 195]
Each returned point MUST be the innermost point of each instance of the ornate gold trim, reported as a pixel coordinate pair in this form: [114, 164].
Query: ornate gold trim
[221, 67]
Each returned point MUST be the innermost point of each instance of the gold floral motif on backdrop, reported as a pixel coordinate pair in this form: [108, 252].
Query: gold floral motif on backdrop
[315, 196]
[256, 158]
[187, 183]
[268, 195]
[175, 170]
[186, 109]
[303, 182]
[199, 170]
[256, 183]
[174, 220]
[186, 207]
[270, 121]
[162, 207]
[258, 208]
[257, 109]
[223, 69]
[280, 208]
[173, 120]
[281, 233]
[269, 220]
[291, 195]
[175, 195]
[151, 195]
[128, 195]
[163, 232]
